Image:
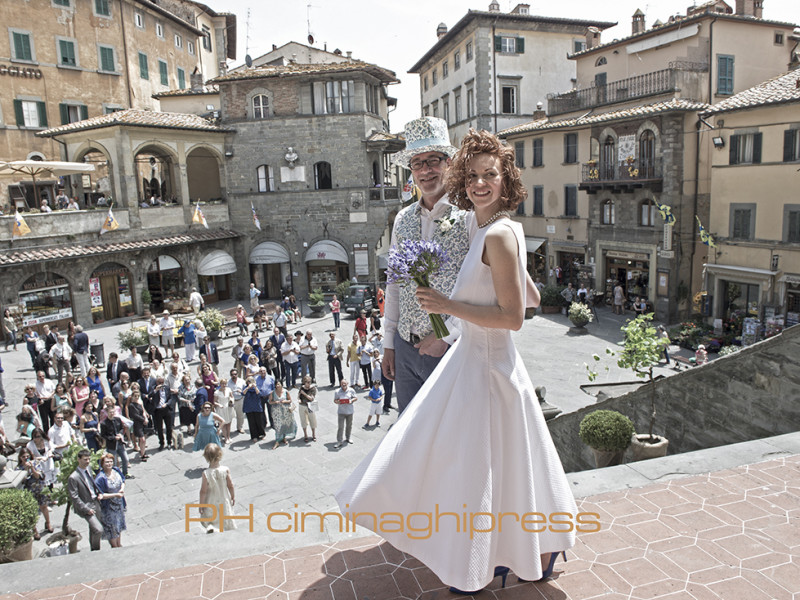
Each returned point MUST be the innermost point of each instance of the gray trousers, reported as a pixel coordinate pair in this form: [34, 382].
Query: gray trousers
[411, 369]
[95, 526]
[345, 426]
[308, 366]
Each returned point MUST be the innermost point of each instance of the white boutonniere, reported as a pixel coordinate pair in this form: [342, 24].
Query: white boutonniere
[446, 224]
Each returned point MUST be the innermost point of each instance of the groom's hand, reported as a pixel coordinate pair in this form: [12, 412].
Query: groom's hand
[431, 346]
[388, 363]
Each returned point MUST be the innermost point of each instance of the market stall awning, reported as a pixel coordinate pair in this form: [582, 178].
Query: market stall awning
[269, 253]
[216, 262]
[740, 273]
[532, 244]
[37, 168]
[327, 250]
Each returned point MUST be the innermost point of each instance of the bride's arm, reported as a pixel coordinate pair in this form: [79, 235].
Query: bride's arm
[501, 254]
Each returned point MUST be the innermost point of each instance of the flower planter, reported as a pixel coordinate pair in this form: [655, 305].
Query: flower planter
[214, 335]
[606, 458]
[18, 554]
[642, 449]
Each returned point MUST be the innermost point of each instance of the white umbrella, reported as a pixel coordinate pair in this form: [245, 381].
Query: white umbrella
[37, 168]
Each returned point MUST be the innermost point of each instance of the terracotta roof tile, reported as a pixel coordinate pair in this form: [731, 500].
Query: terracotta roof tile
[22, 256]
[778, 90]
[297, 69]
[138, 118]
[675, 104]
[186, 92]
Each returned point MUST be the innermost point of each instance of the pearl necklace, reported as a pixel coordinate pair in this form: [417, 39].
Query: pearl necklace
[494, 217]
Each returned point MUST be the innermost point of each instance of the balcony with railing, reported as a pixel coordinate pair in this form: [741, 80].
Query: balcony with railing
[665, 81]
[624, 176]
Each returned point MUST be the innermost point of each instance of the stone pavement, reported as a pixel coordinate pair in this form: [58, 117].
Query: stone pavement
[302, 474]
[726, 535]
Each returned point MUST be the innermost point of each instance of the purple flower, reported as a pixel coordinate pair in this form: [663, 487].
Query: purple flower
[415, 261]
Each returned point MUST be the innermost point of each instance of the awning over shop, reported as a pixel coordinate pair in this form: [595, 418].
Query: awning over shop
[737, 270]
[269, 253]
[216, 262]
[166, 263]
[532, 244]
[327, 250]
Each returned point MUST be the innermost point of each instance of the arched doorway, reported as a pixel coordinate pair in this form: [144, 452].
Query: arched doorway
[165, 281]
[647, 154]
[90, 187]
[110, 292]
[213, 276]
[202, 173]
[327, 264]
[45, 298]
[155, 176]
[270, 269]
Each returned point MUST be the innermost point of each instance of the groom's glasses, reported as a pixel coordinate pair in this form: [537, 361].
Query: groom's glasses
[432, 162]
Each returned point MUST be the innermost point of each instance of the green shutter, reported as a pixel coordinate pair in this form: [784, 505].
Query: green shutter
[84, 110]
[520, 45]
[107, 59]
[144, 71]
[181, 78]
[18, 113]
[162, 68]
[22, 46]
[733, 150]
[63, 109]
[788, 145]
[498, 43]
[757, 142]
[41, 108]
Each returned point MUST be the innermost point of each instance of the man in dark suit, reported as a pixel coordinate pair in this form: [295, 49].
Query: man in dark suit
[81, 342]
[277, 338]
[146, 384]
[162, 402]
[200, 396]
[114, 369]
[83, 493]
[50, 337]
[209, 349]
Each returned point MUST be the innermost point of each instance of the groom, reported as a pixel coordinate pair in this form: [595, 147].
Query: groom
[411, 350]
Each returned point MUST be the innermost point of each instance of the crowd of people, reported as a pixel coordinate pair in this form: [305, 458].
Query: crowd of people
[272, 380]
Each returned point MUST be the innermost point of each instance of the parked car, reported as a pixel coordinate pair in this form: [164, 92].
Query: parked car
[358, 298]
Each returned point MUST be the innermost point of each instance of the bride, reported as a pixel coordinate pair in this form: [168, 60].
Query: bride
[468, 480]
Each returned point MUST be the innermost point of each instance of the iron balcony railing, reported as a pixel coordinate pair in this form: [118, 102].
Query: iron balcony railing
[639, 86]
[623, 171]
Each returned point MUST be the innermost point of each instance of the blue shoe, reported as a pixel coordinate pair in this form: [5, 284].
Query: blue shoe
[549, 570]
[498, 572]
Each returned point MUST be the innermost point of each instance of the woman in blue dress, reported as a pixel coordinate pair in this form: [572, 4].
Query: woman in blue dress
[282, 415]
[206, 427]
[111, 483]
[90, 423]
[95, 383]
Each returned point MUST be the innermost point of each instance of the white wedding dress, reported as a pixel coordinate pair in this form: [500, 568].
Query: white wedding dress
[473, 440]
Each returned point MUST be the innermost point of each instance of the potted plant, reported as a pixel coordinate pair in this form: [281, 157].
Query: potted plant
[608, 433]
[212, 320]
[147, 299]
[580, 315]
[552, 300]
[316, 302]
[18, 515]
[60, 495]
[135, 337]
[642, 349]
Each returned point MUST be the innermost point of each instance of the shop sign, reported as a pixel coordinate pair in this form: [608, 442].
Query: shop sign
[321, 255]
[26, 72]
[105, 273]
[45, 285]
[627, 255]
[666, 254]
[793, 279]
[94, 292]
[65, 313]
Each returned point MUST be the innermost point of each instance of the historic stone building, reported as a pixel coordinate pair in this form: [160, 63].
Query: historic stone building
[629, 138]
[85, 58]
[310, 154]
[492, 69]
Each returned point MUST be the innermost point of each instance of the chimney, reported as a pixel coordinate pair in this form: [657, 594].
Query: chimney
[638, 25]
[539, 113]
[592, 37]
[521, 9]
[196, 81]
[494, 6]
[750, 8]
[441, 31]
[349, 55]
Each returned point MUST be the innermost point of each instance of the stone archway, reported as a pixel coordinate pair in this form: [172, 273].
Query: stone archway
[91, 187]
[155, 175]
[203, 167]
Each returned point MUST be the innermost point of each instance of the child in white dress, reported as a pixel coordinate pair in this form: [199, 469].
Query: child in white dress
[217, 489]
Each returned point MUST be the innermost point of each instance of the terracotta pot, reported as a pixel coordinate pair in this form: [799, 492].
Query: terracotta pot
[642, 448]
[551, 310]
[606, 458]
[530, 311]
[18, 554]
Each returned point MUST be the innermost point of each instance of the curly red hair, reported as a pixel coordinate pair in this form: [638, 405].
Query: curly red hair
[483, 142]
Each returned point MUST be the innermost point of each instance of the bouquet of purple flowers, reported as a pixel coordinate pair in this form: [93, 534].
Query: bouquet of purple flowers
[417, 261]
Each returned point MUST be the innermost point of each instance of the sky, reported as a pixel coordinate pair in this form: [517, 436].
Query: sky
[394, 35]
